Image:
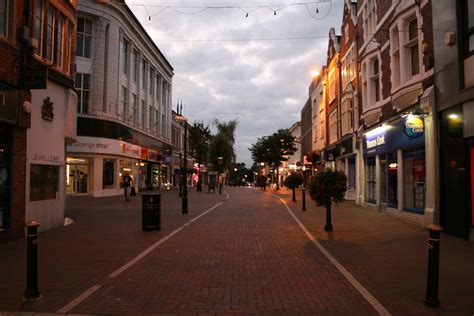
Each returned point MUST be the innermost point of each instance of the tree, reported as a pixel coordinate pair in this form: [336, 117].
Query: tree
[274, 149]
[221, 148]
[293, 181]
[199, 137]
[326, 187]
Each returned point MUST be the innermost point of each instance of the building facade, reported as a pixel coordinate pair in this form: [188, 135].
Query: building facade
[124, 86]
[53, 110]
[454, 113]
[15, 119]
[395, 49]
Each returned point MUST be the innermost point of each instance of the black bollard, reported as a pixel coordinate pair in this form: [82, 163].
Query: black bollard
[431, 298]
[32, 260]
[220, 188]
[328, 226]
[303, 203]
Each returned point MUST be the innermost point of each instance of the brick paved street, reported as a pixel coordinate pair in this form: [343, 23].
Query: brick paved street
[246, 256]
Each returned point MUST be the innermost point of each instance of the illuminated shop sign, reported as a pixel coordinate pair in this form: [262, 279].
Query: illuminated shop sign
[405, 133]
[414, 126]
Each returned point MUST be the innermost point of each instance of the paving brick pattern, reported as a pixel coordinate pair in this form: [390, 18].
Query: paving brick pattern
[247, 256]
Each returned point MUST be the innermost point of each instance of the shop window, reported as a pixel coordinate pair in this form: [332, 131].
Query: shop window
[370, 181]
[5, 170]
[392, 180]
[77, 170]
[44, 184]
[108, 174]
[415, 174]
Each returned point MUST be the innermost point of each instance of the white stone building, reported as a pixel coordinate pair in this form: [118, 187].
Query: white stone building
[124, 86]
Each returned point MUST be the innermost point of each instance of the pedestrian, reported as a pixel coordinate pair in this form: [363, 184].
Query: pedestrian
[127, 182]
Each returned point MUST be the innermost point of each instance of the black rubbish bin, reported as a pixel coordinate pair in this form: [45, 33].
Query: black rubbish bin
[151, 211]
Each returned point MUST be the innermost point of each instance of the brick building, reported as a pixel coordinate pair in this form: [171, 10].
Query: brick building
[15, 103]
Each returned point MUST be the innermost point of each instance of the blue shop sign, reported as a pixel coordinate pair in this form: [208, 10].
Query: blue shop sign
[406, 133]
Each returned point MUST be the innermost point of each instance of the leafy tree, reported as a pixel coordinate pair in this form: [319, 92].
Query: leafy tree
[293, 181]
[326, 187]
[274, 149]
[222, 145]
[199, 137]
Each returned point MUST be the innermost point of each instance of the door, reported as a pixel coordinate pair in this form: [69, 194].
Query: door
[77, 179]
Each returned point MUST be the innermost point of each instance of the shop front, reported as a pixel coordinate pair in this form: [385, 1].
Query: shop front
[395, 167]
[95, 166]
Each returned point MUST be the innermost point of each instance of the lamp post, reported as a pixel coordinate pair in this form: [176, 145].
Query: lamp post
[184, 205]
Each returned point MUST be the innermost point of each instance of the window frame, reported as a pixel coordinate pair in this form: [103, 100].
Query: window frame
[81, 91]
[84, 36]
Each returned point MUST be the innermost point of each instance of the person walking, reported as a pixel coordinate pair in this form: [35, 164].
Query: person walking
[127, 182]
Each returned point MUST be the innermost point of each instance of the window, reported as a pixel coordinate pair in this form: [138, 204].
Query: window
[38, 28]
[333, 127]
[143, 83]
[368, 16]
[163, 125]
[412, 47]
[415, 174]
[4, 17]
[157, 123]
[50, 33]
[346, 33]
[134, 109]
[150, 118]
[60, 26]
[348, 67]
[151, 84]
[108, 174]
[370, 176]
[122, 104]
[84, 38]
[142, 118]
[322, 129]
[395, 56]
[332, 86]
[468, 27]
[346, 116]
[124, 48]
[43, 182]
[371, 82]
[157, 91]
[82, 84]
[135, 68]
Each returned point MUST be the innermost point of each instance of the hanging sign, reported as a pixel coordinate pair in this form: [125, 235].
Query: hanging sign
[414, 126]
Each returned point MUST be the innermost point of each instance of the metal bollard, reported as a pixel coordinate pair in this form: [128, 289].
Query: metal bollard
[32, 260]
[431, 298]
[303, 204]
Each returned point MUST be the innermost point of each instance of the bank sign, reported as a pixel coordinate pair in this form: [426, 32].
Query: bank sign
[408, 132]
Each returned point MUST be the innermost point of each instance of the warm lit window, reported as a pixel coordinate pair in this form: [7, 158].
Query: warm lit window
[84, 38]
[333, 126]
[82, 84]
[332, 86]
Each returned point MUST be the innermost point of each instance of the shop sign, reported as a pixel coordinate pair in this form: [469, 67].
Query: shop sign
[95, 145]
[130, 150]
[144, 153]
[153, 155]
[414, 126]
[9, 106]
[389, 138]
[45, 158]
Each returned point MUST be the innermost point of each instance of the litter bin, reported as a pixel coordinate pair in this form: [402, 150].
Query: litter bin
[151, 211]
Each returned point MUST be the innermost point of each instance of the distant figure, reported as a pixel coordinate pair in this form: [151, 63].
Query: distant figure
[127, 182]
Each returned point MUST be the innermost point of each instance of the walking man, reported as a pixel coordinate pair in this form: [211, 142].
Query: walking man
[127, 182]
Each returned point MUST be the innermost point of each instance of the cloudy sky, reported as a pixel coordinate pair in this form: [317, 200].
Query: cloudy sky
[226, 66]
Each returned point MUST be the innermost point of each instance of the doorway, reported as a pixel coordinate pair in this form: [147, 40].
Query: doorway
[77, 175]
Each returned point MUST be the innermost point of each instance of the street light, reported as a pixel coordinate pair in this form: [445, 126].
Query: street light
[184, 205]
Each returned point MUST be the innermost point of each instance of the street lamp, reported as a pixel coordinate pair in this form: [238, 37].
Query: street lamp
[184, 205]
